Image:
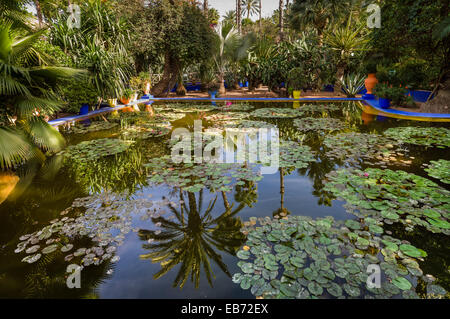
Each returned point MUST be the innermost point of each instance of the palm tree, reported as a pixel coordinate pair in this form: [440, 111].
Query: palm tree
[26, 86]
[37, 4]
[318, 13]
[231, 48]
[14, 11]
[192, 239]
[239, 16]
[346, 42]
[230, 17]
[281, 13]
[250, 7]
[205, 6]
[260, 14]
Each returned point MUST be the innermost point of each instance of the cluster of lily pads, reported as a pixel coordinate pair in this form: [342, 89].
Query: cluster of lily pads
[103, 218]
[353, 145]
[92, 150]
[320, 107]
[236, 108]
[145, 131]
[195, 177]
[393, 196]
[298, 257]
[92, 127]
[225, 117]
[295, 155]
[249, 125]
[278, 113]
[440, 170]
[319, 124]
[184, 108]
[424, 136]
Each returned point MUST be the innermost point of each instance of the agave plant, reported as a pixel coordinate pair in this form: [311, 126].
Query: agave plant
[26, 86]
[352, 84]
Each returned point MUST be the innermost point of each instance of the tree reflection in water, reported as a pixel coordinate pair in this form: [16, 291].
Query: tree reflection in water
[193, 238]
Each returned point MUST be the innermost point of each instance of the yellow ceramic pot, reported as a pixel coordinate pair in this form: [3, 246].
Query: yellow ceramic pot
[112, 102]
[297, 94]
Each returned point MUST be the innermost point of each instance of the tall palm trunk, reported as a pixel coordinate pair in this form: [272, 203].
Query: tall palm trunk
[205, 7]
[281, 25]
[260, 14]
[239, 15]
[37, 4]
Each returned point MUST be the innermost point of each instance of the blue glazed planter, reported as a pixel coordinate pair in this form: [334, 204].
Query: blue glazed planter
[369, 97]
[329, 88]
[384, 103]
[84, 109]
[419, 95]
[213, 94]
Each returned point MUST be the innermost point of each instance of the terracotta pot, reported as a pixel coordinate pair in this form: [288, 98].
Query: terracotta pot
[371, 82]
[125, 101]
[8, 182]
[367, 118]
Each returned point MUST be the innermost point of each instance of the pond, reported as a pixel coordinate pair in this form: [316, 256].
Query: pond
[143, 227]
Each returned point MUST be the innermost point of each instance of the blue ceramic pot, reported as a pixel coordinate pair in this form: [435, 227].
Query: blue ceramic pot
[213, 94]
[384, 103]
[84, 109]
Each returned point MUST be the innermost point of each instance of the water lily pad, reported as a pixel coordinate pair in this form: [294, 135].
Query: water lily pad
[49, 249]
[440, 170]
[402, 283]
[412, 251]
[32, 258]
[425, 136]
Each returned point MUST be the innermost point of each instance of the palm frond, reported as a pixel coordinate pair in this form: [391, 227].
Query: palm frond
[44, 135]
[27, 105]
[10, 86]
[15, 148]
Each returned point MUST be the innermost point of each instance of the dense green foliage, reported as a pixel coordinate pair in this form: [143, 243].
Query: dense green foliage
[27, 85]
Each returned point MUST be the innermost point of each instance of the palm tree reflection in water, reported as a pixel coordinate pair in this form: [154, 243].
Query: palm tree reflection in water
[193, 238]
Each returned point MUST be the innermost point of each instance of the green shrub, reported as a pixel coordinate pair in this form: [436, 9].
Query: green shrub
[77, 93]
[412, 73]
[395, 94]
[53, 53]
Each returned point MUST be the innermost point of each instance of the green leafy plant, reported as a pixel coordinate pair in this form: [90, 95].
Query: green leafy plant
[296, 79]
[127, 93]
[77, 93]
[99, 45]
[27, 88]
[396, 94]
